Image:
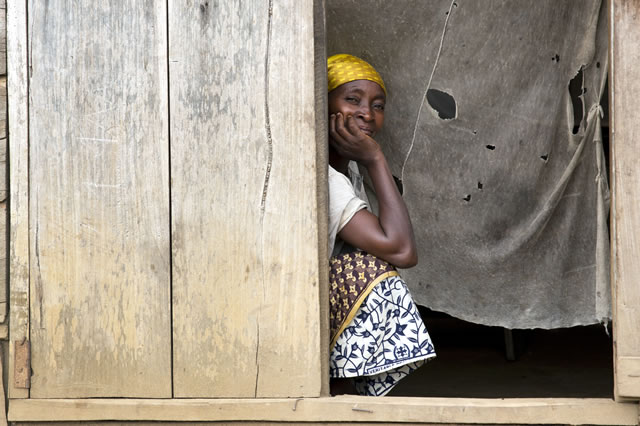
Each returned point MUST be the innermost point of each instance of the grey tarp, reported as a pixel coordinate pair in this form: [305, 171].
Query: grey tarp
[509, 206]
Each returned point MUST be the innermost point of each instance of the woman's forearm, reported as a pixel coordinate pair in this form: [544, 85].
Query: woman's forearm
[393, 214]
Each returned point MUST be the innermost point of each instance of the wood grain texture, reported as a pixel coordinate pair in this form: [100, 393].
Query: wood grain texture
[627, 376]
[210, 423]
[3, 406]
[18, 176]
[4, 190]
[22, 363]
[625, 149]
[3, 258]
[142, 423]
[238, 423]
[322, 148]
[99, 199]
[3, 38]
[3, 110]
[336, 409]
[246, 311]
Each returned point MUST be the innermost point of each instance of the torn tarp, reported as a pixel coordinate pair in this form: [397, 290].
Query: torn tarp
[506, 186]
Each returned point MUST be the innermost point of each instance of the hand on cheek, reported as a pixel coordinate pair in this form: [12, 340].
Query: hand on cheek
[350, 141]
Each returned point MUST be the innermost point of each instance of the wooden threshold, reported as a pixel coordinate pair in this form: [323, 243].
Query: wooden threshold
[336, 409]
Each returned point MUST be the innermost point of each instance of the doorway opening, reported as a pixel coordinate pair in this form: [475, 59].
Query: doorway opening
[477, 361]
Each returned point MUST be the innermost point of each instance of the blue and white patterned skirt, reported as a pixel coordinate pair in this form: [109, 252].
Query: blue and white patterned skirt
[385, 341]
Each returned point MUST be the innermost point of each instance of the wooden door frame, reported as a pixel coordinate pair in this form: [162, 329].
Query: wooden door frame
[18, 113]
[323, 409]
[624, 103]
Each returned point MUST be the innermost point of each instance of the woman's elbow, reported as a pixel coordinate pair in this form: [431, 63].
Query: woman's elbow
[406, 259]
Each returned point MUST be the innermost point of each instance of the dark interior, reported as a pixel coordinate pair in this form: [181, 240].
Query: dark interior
[472, 362]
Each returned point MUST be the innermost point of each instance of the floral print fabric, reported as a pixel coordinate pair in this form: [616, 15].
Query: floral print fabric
[351, 278]
[385, 341]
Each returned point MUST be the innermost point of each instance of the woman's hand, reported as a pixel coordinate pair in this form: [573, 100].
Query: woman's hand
[352, 142]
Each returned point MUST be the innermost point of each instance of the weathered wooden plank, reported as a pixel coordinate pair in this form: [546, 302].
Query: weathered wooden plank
[627, 375]
[99, 199]
[322, 152]
[22, 362]
[244, 199]
[3, 109]
[3, 37]
[291, 241]
[4, 190]
[625, 155]
[18, 172]
[206, 423]
[336, 409]
[3, 259]
[3, 406]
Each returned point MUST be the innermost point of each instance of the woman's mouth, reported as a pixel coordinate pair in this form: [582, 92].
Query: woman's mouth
[367, 131]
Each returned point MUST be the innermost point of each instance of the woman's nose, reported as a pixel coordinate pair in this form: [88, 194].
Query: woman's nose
[365, 113]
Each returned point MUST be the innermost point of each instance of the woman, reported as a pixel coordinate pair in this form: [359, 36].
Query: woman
[378, 336]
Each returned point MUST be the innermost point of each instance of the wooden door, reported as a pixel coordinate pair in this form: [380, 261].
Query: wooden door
[625, 154]
[98, 200]
[245, 199]
[150, 259]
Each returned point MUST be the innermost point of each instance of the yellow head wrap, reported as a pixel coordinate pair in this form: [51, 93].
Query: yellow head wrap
[343, 68]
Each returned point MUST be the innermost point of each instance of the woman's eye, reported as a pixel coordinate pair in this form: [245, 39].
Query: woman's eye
[352, 100]
[379, 107]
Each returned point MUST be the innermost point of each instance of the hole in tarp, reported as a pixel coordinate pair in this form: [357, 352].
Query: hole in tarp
[467, 197]
[555, 58]
[480, 185]
[576, 90]
[398, 184]
[597, 64]
[544, 157]
[443, 103]
[491, 147]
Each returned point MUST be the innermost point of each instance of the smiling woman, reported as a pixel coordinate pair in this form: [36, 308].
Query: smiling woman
[377, 335]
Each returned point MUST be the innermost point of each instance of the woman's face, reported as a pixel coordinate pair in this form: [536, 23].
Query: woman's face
[362, 99]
